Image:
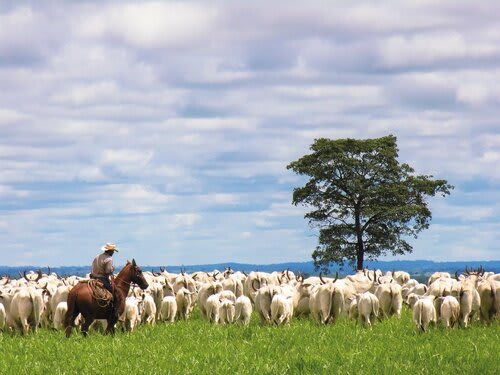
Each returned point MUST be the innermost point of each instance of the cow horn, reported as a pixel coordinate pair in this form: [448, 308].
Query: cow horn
[40, 275]
[336, 276]
[45, 286]
[162, 269]
[253, 286]
[287, 274]
[378, 280]
[24, 275]
[467, 270]
[456, 275]
[368, 275]
[321, 278]
[244, 273]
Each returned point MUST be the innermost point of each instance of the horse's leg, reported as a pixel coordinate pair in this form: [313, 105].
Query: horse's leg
[111, 325]
[69, 321]
[86, 324]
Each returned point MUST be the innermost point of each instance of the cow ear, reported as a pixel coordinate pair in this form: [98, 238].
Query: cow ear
[133, 263]
[128, 261]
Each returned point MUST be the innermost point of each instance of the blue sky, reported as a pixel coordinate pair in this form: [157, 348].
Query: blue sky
[166, 127]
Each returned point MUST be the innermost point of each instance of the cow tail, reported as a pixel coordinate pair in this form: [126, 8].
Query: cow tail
[237, 311]
[420, 318]
[391, 311]
[37, 308]
[332, 301]
[455, 316]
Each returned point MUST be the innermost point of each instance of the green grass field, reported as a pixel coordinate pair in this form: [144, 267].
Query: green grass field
[196, 347]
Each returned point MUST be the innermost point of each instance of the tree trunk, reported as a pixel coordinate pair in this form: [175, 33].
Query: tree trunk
[360, 256]
[360, 253]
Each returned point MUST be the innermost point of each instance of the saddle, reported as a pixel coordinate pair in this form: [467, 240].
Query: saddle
[99, 293]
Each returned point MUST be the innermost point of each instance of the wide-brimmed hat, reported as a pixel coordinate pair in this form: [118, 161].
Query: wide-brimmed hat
[109, 247]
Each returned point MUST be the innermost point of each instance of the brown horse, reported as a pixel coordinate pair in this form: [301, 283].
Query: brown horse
[80, 300]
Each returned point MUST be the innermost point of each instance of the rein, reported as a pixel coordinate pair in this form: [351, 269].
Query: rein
[119, 279]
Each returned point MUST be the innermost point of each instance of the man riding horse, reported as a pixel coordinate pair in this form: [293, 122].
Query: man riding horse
[84, 298]
[102, 269]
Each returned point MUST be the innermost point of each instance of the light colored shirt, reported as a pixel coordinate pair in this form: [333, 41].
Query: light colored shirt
[102, 266]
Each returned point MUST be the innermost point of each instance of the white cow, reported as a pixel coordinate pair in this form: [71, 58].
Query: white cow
[185, 301]
[227, 294]
[26, 308]
[59, 314]
[207, 290]
[281, 309]
[424, 313]
[263, 299]
[226, 311]
[233, 284]
[401, 277]
[184, 281]
[441, 286]
[418, 288]
[368, 307]
[326, 302]
[130, 317]
[147, 309]
[254, 282]
[243, 310]
[469, 300]
[168, 309]
[212, 307]
[156, 290]
[487, 290]
[60, 295]
[390, 299]
[450, 311]
[438, 275]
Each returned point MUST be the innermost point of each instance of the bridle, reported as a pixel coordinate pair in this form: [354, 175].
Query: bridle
[130, 283]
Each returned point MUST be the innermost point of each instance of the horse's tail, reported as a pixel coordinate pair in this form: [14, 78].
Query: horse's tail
[71, 313]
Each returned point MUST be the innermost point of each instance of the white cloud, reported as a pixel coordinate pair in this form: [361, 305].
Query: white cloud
[422, 49]
[188, 219]
[8, 116]
[126, 157]
[7, 192]
[90, 93]
[213, 124]
[150, 25]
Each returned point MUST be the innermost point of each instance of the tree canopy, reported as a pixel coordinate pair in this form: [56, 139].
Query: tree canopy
[365, 203]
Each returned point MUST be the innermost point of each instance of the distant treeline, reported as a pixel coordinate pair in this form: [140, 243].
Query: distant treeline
[417, 268]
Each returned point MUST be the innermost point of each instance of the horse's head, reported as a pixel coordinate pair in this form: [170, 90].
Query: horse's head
[137, 276]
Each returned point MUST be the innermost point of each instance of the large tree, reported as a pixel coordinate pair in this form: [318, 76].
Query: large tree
[366, 204]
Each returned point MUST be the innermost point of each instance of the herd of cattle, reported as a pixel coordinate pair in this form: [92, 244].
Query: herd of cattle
[39, 300]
